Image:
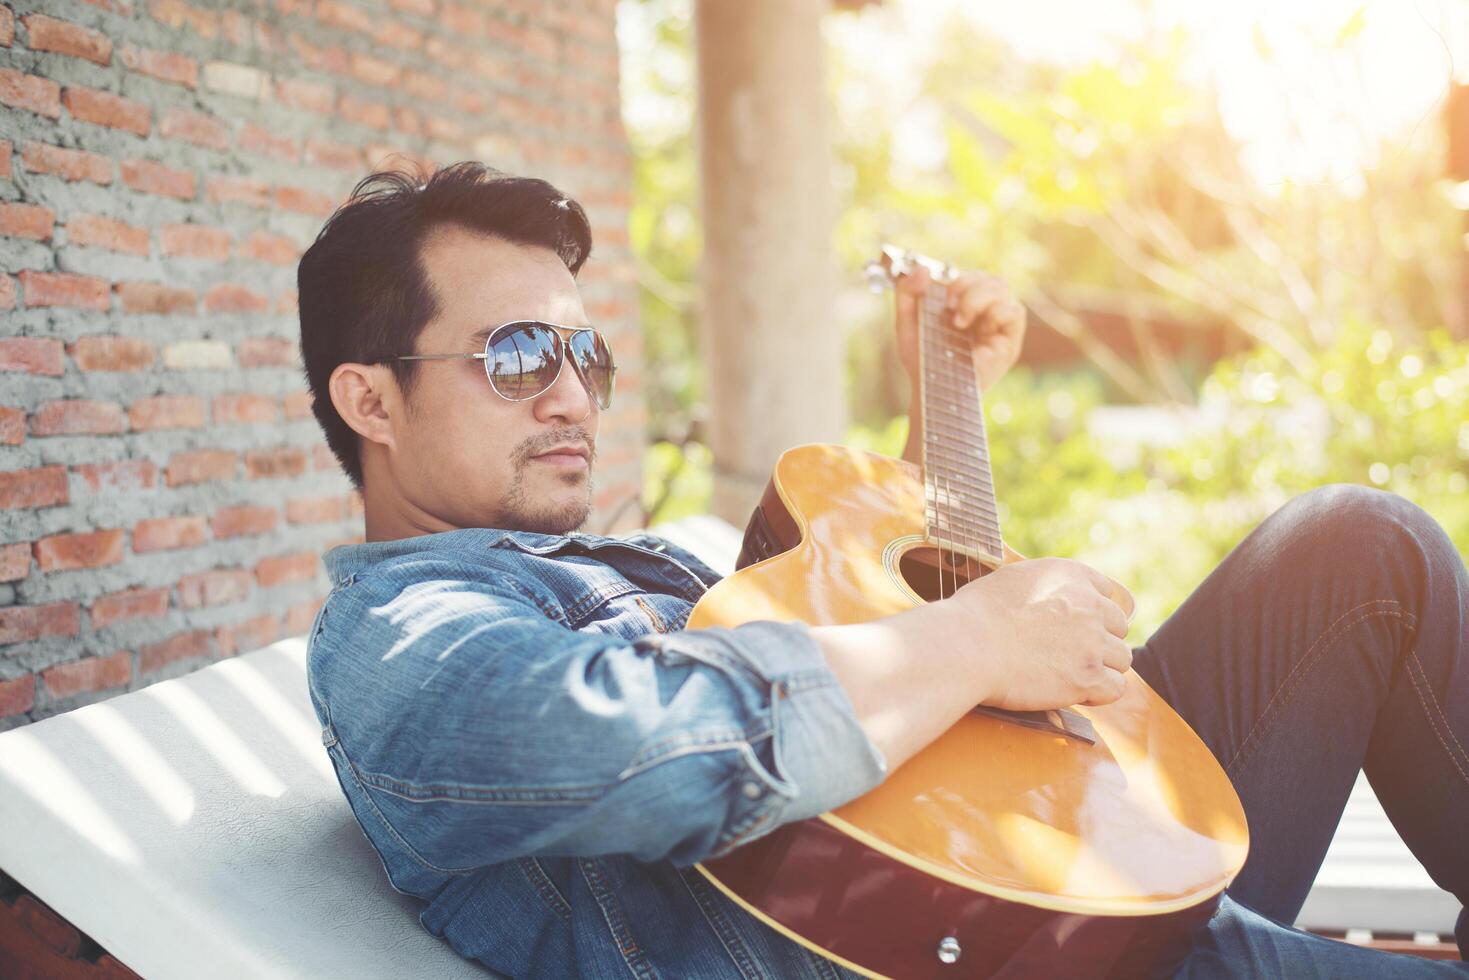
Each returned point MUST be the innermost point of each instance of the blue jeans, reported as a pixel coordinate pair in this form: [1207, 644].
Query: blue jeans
[1333, 639]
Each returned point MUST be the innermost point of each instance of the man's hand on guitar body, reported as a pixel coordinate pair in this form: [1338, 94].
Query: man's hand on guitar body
[1048, 635]
[1031, 635]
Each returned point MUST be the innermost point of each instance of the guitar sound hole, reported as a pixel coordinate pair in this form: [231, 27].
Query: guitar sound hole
[921, 569]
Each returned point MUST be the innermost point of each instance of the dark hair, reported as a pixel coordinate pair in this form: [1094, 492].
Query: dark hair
[363, 290]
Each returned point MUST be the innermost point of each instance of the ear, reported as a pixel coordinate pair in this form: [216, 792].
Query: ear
[367, 398]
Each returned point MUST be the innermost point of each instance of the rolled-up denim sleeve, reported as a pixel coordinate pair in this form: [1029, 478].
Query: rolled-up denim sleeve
[482, 729]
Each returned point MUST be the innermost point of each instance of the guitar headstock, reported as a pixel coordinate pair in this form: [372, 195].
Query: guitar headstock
[893, 263]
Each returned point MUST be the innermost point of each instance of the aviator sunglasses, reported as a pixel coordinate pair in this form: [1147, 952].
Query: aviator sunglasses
[523, 358]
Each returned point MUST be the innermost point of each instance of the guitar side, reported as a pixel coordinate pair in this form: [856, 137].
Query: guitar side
[1015, 842]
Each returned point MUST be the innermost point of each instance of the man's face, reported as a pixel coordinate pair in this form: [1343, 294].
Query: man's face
[464, 455]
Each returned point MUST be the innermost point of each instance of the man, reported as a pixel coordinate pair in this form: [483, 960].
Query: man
[539, 752]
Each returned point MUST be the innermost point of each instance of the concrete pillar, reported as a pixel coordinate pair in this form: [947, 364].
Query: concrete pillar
[772, 344]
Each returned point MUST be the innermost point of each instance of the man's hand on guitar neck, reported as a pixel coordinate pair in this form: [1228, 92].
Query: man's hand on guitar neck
[1031, 635]
[977, 302]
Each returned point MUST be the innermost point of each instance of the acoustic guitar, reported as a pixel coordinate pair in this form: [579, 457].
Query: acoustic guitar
[1085, 842]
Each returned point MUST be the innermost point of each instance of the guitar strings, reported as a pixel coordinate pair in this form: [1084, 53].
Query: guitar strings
[941, 505]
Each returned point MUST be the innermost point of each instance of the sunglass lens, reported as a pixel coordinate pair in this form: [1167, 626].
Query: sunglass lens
[523, 360]
[594, 361]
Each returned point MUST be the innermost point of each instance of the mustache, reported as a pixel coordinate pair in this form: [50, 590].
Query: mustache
[535, 445]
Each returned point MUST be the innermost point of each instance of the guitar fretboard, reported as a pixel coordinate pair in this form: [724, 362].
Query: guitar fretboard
[960, 493]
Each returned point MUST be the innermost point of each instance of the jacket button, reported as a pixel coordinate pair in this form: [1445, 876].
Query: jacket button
[751, 790]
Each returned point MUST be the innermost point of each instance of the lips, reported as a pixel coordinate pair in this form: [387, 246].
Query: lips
[571, 450]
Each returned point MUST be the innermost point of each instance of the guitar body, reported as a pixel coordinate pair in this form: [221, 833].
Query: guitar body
[1031, 852]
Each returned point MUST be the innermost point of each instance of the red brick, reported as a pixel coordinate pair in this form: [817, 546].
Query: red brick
[235, 522]
[315, 510]
[198, 128]
[120, 607]
[120, 7]
[424, 8]
[304, 201]
[343, 15]
[105, 352]
[287, 302]
[76, 416]
[97, 231]
[61, 37]
[7, 293]
[180, 646]
[166, 66]
[7, 27]
[26, 221]
[44, 486]
[462, 21]
[65, 289]
[374, 71]
[33, 355]
[425, 85]
[371, 114]
[151, 177]
[271, 463]
[301, 616]
[15, 561]
[216, 587]
[92, 674]
[322, 457]
[311, 96]
[396, 34]
[239, 190]
[297, 405]
[166, 412]
[199, 466]
[19, 624]
[43, 923]
[166, 533]
[105, 109]
[6, 149]
[298, 566]
[337, 156]
[195, 242]
[118, 476]
[252, 634]
[231, 297]
[17, 696]
[34, 94]
[154, 297]
[266, 352]
[257, 139]
[177, 14]
[243, 408]
[80, 549]
[12, 426]
[408, 120]
[324, 58]
[262, 246]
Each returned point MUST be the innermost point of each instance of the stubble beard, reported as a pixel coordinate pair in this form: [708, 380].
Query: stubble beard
[520, 513]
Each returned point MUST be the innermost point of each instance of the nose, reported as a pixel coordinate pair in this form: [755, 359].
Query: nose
[566, 400]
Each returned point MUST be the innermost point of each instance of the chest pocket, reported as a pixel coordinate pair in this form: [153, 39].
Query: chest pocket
[630, 612]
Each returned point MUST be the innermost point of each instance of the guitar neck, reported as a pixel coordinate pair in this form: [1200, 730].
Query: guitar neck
[961, 512]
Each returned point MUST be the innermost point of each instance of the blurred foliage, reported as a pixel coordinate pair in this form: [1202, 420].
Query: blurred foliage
[1157, 515]
[1103, 189]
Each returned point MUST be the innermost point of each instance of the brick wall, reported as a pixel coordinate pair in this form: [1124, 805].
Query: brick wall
[165, 494]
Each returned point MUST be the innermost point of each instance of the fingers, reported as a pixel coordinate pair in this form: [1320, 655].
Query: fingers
[972, 296]
[1117, 655]
[1110, 688]
[1114, 620]
[1113, 591]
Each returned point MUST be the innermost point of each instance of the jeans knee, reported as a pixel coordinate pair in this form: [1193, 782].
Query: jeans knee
[1349, 519]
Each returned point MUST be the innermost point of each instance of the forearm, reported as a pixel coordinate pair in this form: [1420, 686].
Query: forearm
[909, 677]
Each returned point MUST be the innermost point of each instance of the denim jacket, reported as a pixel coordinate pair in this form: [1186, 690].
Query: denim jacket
[538, 751]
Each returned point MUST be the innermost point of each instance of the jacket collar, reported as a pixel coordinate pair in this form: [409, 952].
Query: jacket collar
[348, 559]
